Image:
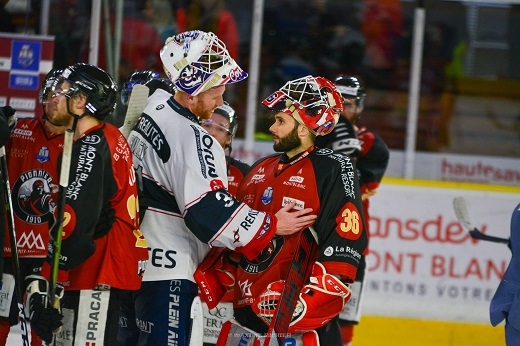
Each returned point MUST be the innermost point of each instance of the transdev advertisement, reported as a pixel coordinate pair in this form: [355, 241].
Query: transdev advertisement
[423, 264]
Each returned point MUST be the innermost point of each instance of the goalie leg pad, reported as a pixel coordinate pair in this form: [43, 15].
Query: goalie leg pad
[234, 334]
[318, 303]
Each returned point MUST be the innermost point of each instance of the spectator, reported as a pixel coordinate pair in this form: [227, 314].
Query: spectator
[211, 16]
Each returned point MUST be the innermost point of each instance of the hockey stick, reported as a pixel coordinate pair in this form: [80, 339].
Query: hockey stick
[461, 211]
[197, 322]
[5, 186]
[136, 106]
[57, 227]
[299, 271]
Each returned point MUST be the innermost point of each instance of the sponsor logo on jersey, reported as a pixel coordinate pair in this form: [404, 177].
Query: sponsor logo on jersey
[31, 240]
[257, 178]
[245, 287]
[329, 251]
[267, 196]
[324, 151]
[43, 155]
[248, 199]
[33, 203]
[300, 205]
[86, 159]
[295, 181]
[204, 144]
[159, 107]
[247, 222]
[91, 139]
[20, 132]
[216, 184]
[347, 251]
[347, 174]
[153, 134]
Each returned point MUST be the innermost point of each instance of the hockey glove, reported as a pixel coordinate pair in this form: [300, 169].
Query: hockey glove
[215, 276]
[45, 320]
[7, 112]
[319, 301]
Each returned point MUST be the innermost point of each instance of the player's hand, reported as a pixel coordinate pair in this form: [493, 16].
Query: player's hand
[45, 320]
[290, 221]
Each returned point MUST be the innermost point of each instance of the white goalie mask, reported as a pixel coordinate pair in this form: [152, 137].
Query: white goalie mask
[196, 61]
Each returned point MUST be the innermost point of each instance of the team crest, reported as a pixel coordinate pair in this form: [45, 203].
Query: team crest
[43, 155]
[267, 196]
[32, 200]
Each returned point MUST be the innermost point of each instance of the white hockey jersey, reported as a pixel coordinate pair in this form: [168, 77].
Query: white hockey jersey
[182, 177]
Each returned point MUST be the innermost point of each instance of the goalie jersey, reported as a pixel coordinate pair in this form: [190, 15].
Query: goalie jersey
[317, 178]
[183, 185]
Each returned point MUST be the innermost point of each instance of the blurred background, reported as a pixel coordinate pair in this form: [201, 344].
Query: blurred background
[469, 83]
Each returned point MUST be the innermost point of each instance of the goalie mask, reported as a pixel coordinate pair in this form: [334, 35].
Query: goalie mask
[312, 101]
[196, 61]
[97, 85]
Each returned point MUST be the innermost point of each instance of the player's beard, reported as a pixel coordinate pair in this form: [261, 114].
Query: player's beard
[201, 110]
[289, 142]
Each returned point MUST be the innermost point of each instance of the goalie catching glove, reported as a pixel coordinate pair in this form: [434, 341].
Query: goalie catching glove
[45, 320]
[215, 276]
[319, 301]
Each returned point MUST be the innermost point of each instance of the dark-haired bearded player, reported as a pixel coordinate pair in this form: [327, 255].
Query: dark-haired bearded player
[310, 177]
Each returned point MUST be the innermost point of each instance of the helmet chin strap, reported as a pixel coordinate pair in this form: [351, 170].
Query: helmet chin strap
[77, 116]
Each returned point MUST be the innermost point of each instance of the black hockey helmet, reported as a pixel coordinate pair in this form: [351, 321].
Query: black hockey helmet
[137, 77]
[96, 84]
[229, 113]
[160, 83]
[351, 87]
[48, 83]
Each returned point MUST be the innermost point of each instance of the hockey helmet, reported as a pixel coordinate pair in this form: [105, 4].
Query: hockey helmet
[196, 61]
[314, 102]
[137, 77]
[160, 83]
[96, 84]
[47, 84]
[351, 87]
[229, 113]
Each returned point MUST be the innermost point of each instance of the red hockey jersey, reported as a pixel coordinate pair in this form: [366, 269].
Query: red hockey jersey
[32, 159]
[102, 242]
[318, 178]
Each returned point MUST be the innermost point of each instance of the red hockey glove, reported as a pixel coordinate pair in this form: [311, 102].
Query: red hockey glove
[216, 276]
[320, 301]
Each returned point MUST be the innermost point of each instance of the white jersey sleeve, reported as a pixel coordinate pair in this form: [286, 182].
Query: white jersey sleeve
[183, 181]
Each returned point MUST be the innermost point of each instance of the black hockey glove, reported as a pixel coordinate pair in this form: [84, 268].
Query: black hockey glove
[45, 320]
[6, 120]
[7, 112]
